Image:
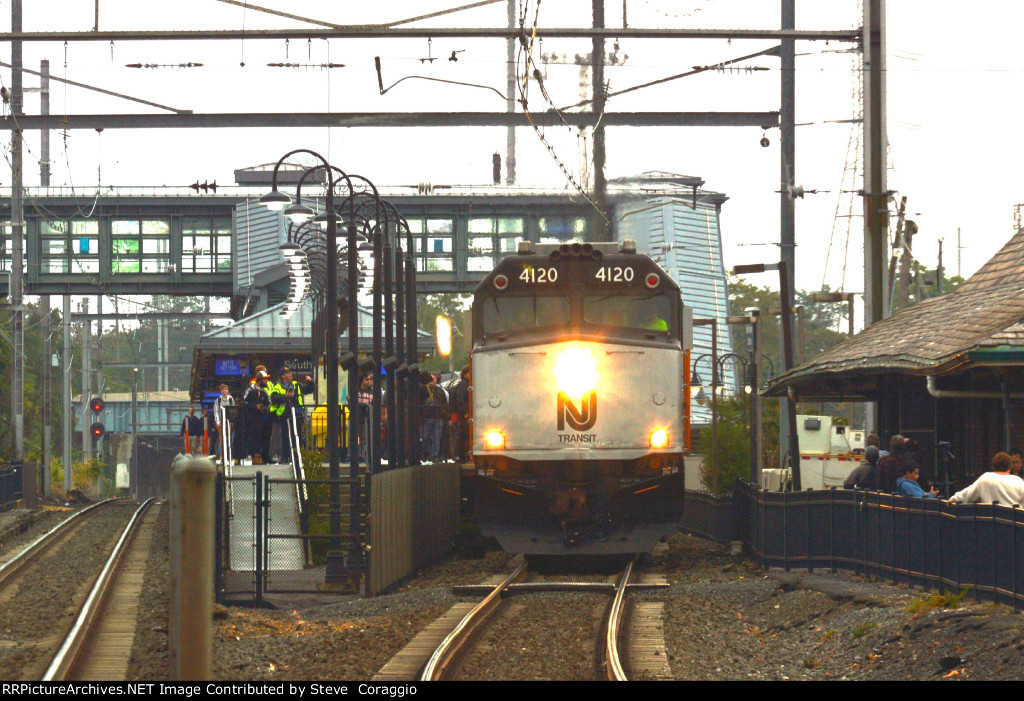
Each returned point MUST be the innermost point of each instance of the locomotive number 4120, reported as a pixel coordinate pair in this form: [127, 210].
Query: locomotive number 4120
[614, 273]
[536, 275]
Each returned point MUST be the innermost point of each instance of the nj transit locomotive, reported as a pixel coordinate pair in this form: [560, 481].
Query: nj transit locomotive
[580, 414]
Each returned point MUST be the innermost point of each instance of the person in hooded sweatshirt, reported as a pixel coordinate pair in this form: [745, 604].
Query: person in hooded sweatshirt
[864, 475]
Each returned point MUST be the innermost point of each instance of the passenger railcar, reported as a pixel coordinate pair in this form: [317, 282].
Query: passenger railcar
[580, 404]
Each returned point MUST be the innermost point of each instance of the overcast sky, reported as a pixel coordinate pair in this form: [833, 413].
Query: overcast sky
[953, 84]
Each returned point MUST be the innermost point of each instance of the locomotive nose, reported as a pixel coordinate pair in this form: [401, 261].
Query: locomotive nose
[575, 371]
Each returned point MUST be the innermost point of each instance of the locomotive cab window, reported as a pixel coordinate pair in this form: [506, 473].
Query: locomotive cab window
[651, 312]
[502, 315]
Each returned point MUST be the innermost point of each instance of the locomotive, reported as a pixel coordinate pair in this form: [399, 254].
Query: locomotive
[580, 400]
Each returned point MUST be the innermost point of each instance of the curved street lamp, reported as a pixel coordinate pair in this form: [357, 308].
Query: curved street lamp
[277, 201]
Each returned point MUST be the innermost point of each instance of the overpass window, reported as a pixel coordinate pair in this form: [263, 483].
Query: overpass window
[206, 245]
[7, 247]
[140, 245]
[85, 246]
[434, 244]
[490, 239]
[562, 229]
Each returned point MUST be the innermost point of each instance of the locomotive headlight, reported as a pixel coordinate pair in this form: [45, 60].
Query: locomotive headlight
[659, 438]
[495, 440]
[576, 371]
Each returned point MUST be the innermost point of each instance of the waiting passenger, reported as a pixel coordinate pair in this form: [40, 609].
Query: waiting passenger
[892, 466]
[873, 439]
[996, 486]
[863, 476]
[907, 485]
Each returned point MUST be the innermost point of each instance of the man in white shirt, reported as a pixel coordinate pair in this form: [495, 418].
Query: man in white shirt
[997, 485]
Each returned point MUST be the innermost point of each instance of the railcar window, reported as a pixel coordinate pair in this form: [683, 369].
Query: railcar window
[511, 314]
[652, 312]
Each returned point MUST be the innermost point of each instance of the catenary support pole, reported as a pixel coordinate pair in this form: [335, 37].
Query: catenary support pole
[787, 166]
[510, 103]
[66, 419]
[600, 227]
[46, 328]
[17, 387]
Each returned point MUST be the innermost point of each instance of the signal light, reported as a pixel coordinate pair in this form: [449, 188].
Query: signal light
[97, 430]
[96, 404]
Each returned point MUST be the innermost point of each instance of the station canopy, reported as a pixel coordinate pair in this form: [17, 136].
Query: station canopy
[268, 334]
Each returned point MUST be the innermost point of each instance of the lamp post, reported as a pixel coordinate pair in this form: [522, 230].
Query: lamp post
[276, 200]
[752, 321]
[713, 323]
[787, 348]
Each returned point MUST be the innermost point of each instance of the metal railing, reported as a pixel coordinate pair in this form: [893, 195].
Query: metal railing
[923, 542]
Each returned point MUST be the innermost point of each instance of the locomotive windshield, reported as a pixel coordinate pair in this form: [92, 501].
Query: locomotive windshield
[503, 315]
[652, 312]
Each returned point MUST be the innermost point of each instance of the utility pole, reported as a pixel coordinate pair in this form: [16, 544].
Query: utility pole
[44, 300]
[18, 243]
[98, 381]
[890, 286]
[876, 190]
[787, 204]
[600, 228]
[65, 367]
[86, 382]
[958, 249]
[938, 271]
[510, 103]
[903, 298]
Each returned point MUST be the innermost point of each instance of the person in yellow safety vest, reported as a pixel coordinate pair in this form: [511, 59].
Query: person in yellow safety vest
[293, 407]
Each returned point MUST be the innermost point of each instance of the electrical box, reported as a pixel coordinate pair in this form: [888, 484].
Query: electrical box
[121, 478]
[814, 433]
[774, 480]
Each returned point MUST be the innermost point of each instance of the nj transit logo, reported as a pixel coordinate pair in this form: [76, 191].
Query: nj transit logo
[581, 419]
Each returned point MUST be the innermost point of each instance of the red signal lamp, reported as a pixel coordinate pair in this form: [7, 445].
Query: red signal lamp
[97, 430]
[96, 404]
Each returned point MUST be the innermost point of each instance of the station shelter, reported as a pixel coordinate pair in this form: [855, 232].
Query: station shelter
[944, 371]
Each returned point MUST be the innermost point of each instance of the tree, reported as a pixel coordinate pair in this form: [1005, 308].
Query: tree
[456, 307]
[734, 442]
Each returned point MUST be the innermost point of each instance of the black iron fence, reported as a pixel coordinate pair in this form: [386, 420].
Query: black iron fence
[273, 535]
[924, 542]
[10, 484]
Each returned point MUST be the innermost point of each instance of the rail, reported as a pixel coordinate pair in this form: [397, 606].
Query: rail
[614, 668]
[68, 656]
[470, 623]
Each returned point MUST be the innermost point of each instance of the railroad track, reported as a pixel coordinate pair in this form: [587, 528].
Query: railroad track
[98, 647]
[11, 570]
[460, 640]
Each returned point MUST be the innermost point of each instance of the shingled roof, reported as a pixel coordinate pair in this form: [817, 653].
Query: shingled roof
[986, 311]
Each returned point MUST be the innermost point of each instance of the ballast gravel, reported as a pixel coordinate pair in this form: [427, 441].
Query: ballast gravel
[40, 608]
[724, 619]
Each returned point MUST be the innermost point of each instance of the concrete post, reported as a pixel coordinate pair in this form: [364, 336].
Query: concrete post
[29, 487]
[193, 509]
